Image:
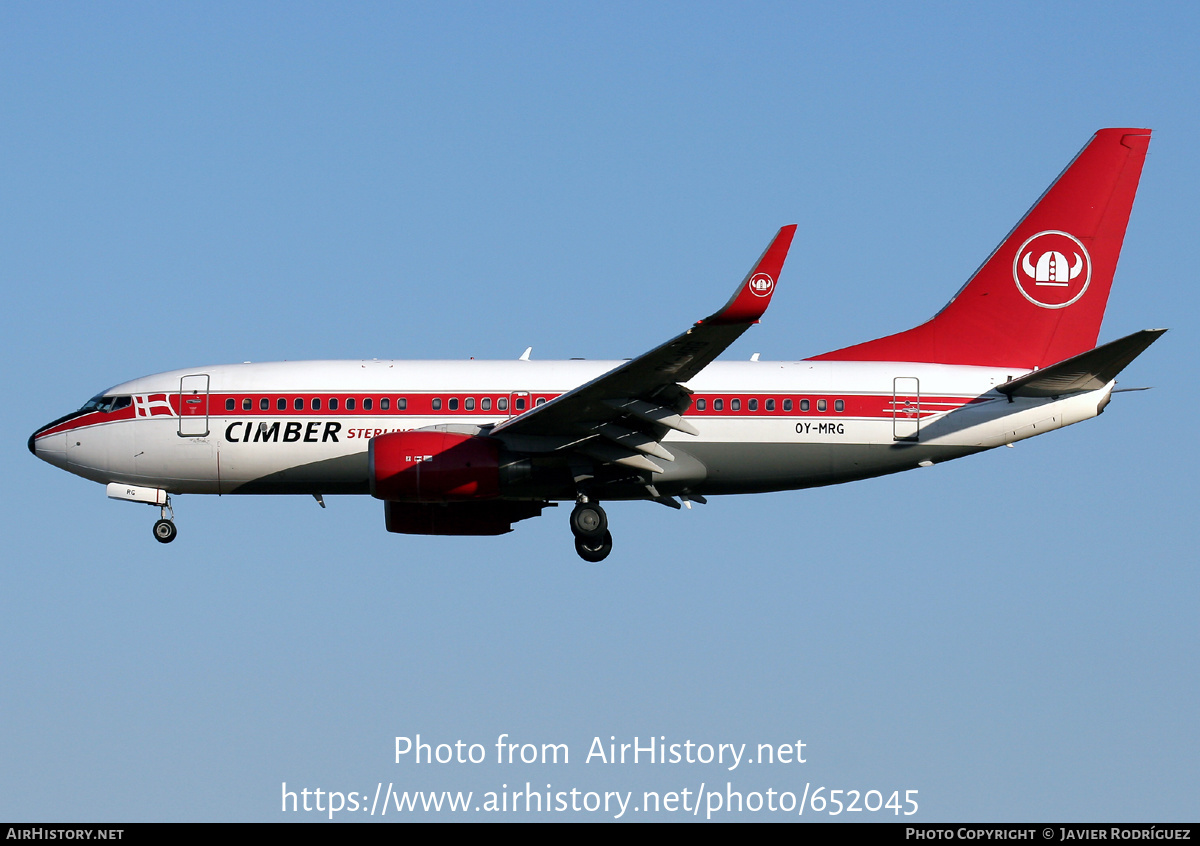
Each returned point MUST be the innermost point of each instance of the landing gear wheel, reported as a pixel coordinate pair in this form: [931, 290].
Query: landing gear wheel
[164, 531]
[589, 523]
[594, 551]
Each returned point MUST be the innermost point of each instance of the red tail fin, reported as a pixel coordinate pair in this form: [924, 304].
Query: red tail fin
[1040, 297]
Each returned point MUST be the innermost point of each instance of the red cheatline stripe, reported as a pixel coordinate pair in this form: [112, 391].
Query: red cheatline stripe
[862, 406]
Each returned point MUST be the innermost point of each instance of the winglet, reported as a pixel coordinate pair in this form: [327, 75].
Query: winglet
[753, 295]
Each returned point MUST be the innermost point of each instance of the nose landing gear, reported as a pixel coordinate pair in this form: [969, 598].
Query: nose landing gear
[589, 524]
[164, 528]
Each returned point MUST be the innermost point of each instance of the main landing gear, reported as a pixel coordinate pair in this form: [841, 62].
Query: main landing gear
[164, 528]
[589, 524]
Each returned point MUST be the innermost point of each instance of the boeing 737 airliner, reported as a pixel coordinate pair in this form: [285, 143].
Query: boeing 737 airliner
[472, 447]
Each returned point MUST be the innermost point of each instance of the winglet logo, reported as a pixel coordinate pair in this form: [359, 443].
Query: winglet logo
[1052, 269]
[761, 285]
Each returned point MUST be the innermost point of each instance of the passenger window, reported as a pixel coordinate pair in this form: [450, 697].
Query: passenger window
[454, 403]
[540, 401]
[367, 403]
[333, 403]
[401, 403]
[298, 404]
[718, 405]
[469, 403]
[349, 403]
[752, 405]
[264, 404]
[229, 404]
[485, 404]
[770, 405]
[839, 405]
[437, 404]
[735, 405]
[701, 404]
[804, 405]
[246, 404]
[316, 403]
[502, 404]
[281, 404]
[787, 405]
[385, 404]
[821, 405]
[520, 403]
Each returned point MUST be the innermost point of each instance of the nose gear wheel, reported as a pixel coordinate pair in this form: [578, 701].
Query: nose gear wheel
[164, 531]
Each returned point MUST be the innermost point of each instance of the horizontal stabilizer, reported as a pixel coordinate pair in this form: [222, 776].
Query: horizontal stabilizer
[1087, 371]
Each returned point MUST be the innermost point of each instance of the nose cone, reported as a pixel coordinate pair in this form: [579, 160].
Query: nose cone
[51, 448]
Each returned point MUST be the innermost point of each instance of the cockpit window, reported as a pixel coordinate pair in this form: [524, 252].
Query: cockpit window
[106, 404]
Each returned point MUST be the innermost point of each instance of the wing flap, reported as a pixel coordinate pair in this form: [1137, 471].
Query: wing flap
[610, 453]
[633, 439]
[654, 414]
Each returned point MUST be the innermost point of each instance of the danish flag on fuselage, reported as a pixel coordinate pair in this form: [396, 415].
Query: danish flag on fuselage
[473, 447]
[153, 404]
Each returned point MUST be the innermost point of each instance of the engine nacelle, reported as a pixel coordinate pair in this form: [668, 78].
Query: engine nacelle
[431, 466]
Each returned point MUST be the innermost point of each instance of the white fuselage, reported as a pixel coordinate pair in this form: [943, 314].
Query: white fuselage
[273, 428]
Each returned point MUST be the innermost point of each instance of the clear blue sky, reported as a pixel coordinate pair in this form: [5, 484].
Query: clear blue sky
[1013, 635]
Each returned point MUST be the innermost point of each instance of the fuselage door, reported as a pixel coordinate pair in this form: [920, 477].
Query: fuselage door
[193, 406]
[906, 408]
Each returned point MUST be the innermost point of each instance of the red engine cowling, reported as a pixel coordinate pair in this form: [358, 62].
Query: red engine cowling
[434, 467]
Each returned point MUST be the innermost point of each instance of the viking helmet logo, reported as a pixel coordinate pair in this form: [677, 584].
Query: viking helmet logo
[761, 284]
[1052, 269]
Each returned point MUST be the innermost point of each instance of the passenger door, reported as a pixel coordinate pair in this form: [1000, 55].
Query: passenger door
[193, 406]
[906, 408]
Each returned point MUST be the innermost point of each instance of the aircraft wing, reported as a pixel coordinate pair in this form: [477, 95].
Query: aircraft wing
[621, 416]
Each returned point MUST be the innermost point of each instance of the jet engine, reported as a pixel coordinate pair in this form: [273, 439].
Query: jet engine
[433, 466]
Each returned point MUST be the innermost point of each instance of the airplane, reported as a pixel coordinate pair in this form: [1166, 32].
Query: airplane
[473, 447]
